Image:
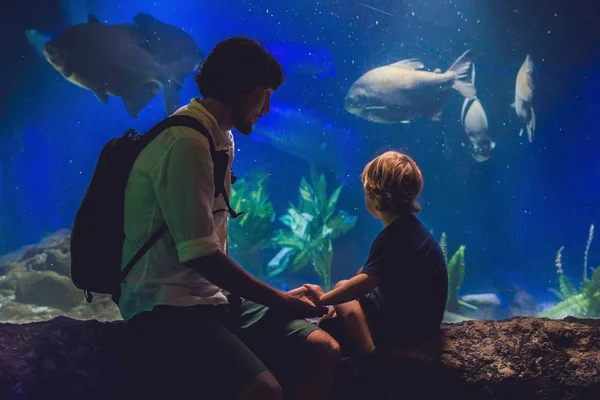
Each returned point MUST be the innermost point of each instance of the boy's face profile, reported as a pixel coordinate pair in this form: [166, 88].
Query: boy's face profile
[371, 205]
[250, 107]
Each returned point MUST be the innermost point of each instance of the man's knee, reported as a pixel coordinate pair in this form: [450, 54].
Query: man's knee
[323, 346]
[263, 386]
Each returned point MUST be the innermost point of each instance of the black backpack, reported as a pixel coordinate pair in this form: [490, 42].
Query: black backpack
[97, 235]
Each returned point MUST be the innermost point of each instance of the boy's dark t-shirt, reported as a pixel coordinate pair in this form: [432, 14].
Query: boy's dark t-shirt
[409, 301]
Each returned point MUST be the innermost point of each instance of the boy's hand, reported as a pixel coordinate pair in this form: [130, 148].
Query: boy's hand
[298, 292]
[314, 292]
[330, 314]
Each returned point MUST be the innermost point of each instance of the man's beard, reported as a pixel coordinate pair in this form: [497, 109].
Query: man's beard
[239, 123]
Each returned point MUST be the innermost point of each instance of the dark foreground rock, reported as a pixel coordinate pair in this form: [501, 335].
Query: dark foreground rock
[519, 358]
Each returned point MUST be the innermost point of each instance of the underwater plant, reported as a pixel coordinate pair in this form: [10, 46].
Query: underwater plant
[312, 225]
[248, 233]
[456, 274]
[583, 302]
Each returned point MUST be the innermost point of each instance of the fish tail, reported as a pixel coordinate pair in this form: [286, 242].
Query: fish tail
[531, 126]
[170, 92]
[171, 80]
[464, 83]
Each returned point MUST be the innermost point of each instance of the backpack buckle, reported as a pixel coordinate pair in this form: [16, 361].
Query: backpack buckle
[88, 296]
[132, 134]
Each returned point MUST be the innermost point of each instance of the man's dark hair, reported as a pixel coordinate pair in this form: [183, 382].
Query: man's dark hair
[237, 66]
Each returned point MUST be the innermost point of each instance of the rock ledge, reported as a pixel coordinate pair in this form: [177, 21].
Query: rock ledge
[515, 358]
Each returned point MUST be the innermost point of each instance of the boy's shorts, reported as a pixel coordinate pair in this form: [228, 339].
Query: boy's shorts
[211, 351]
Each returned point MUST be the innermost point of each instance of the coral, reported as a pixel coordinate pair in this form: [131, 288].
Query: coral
[36, 285]
[248, 234]
[583, 302]
[312, 226]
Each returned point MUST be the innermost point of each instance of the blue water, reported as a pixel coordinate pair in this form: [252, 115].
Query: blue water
[512, 212]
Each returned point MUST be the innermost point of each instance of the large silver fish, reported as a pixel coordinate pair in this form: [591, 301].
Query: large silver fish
[524, 102]
[475, 123]
[398, 93]
[111, 60]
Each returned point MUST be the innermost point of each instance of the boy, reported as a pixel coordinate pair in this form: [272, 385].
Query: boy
[399, 295]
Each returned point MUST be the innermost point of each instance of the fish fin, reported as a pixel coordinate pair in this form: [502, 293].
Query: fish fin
[101, 95]
[437, 71]
[521, 132]
[437, 116]
[460, 68]
[463, 111]
[170, 92]
[531, 126]
[376, 108]
[66, 72]
[411, 63]
[492, 145]
[135, 104]
[75, 12]
[473, 74]
[513, 106]
[144, 19]
[405, 122]
[37, 41]
[92, 19]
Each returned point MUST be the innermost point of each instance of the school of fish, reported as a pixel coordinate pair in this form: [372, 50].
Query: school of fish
[400, 92]
[134, 61]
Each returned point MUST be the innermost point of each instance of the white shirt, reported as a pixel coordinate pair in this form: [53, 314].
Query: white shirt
[172, 181]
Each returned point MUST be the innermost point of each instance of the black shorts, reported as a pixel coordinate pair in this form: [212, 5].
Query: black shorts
[206, 352]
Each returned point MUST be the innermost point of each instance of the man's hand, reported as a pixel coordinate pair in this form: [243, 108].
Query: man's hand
[296, 301]
[314, 292]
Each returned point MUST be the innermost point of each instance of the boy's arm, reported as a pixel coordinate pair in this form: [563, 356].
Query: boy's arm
[357, 286]
[365, 280]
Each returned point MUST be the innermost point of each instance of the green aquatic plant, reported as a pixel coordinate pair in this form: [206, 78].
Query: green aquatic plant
[583, 302]
[456, 273]
[248, 234]
[311, 226]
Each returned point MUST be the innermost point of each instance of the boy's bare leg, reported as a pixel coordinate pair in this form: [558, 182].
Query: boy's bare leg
[321, 354]
[355, 326]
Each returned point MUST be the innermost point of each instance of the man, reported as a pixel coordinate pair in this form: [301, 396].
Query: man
[212, 329]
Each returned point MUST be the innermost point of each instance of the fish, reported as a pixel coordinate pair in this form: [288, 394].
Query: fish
[310, 136]
[168, 43]
[475, 123]
[399, 92]
[482, 299]
[109, 59]
[524, 103]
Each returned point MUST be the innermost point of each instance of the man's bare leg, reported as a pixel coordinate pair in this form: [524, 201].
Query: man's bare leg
[321, 355]
[264, 386]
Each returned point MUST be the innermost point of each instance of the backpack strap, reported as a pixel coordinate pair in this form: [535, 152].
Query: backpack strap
[220, 162]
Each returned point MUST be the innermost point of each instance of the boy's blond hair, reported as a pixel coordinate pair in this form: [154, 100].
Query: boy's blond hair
[395, 181]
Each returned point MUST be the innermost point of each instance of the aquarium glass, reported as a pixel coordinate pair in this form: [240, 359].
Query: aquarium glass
[511, 170]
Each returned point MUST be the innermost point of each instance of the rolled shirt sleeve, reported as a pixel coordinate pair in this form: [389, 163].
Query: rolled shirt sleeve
[184, 185]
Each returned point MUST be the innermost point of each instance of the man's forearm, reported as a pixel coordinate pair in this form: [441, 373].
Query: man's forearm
[222, 271]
